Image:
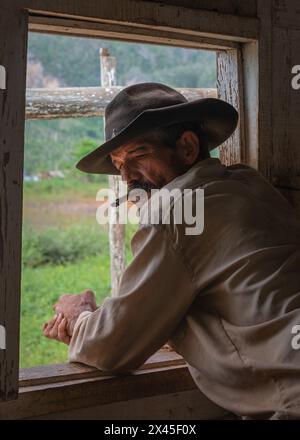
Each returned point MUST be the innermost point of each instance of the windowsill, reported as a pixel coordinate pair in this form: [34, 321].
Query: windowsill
[55, 388]
[63, 373]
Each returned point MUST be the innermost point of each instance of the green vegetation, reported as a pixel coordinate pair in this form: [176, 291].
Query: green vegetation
[73, 185]
[67, 256]
[59, 143]
[41, 288]
[61, 246]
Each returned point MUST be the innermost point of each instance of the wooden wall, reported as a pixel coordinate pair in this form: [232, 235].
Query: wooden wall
[243, 8]
[186, 405]
[13, 40]
[279, 155]
[286, 104]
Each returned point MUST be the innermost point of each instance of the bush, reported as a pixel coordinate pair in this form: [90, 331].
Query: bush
[60, 246]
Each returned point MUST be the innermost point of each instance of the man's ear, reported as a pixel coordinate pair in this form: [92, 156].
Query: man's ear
[187, 147]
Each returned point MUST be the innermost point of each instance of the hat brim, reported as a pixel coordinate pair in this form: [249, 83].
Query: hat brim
[218, 120]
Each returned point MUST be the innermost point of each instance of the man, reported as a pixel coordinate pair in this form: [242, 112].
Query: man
[226, 299]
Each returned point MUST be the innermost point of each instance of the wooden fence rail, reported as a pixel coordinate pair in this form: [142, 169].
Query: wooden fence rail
[79, 102]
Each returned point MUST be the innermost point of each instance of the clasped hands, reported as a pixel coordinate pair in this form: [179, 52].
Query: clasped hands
[68, 308]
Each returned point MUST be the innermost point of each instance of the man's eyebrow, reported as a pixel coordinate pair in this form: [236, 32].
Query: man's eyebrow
[139, 147]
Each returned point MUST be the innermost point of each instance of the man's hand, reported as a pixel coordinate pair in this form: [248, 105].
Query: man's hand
[56, 328]
[68, 308]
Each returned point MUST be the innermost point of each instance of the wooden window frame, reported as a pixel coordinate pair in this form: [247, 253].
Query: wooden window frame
[235, 39]
[57, 391]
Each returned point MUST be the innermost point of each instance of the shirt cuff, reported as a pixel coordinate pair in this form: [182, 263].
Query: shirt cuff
[79, 320]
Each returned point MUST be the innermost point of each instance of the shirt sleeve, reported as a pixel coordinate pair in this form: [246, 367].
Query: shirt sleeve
[154, 294]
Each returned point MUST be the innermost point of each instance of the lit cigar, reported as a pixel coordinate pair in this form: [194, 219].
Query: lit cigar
[119, 201]
[134, 195]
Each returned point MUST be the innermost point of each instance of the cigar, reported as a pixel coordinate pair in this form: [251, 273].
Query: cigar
[119, 201]
[125, 198]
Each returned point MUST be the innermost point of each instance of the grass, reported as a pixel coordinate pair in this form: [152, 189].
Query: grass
[55, 189]
[41, 288]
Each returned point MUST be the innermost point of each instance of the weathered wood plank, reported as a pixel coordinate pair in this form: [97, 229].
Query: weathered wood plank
[68, 102]
[266, 92]
[230, 88]
[185, 405]
[251, 102]
[285, 161]
[57, 397]
[116, 229]
[128, 33]
[84, 101]
[47, 374]
[13, 38]
[286, 13]
[286, 110]
[279, 128]
[238, 7]
[152, 15]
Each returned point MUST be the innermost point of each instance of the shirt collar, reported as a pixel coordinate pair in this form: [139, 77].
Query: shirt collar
[210, 167]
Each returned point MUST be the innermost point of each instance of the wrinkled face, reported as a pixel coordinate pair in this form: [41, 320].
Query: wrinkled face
[148, 165]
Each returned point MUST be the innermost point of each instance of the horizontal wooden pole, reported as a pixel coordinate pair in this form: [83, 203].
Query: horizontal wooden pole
[79, 102]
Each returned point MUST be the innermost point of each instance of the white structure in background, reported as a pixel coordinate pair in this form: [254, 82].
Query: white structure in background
[2, 78]
[28, 178]
[2, 338]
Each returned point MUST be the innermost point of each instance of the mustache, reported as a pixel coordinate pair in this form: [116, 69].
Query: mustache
[147, 186]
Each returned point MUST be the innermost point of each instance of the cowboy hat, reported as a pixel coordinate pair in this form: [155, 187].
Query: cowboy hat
[139, 108]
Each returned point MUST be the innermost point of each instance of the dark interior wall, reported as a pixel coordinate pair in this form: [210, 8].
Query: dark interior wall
[246, 8]
[279, 154]
[286, 101]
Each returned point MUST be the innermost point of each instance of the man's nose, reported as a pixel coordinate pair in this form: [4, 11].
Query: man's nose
[130, 173]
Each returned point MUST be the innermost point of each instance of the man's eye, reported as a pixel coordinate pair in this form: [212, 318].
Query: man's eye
[142, 153]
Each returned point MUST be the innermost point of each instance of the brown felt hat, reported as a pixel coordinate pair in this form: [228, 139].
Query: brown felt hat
[139, 108]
